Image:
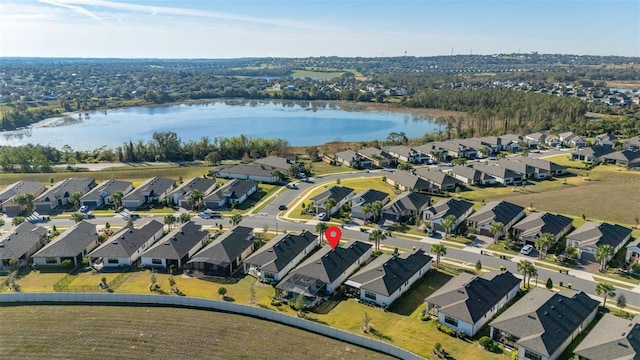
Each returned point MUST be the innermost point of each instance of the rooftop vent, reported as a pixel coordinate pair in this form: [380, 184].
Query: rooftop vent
[114, 243]
[623, 345]
[531, 317]
[122, 237]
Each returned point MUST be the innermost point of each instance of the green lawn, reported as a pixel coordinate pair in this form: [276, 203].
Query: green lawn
[39, 281]
[316, 74]
[92, 278]
[320, 168]
[565, 160]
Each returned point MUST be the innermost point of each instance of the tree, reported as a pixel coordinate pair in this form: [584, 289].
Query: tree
[74, 199]
[496, 229]
[447, 223]
[543, 242]
[1, 222]
[459, 161]
[222, 292]
[116, 198]
[321, 227]
[603, 254]
[478, 265]
[366, 210]
[527, 269]
[635, 268]
[621, 302]
[377, 236]
[18, 220]
[376, 207]
[184, 217]
[605, 290]
[235, 219]
[328, 205]
[366, 323]
[440, 250]
[26, 200]
[169, 220]
[300, 305]
[571, 251]
[77, 217]
[195, 199]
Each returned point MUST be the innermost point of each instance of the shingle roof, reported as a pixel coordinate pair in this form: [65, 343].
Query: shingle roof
[408, 201]
[370, 196]
[387, 273]
[236, 189]
[72, 242]
[20, 187]
[225, 249]
[336, 193]
[372, 153]
[69, 185]
[469, 172]
[156, 184]
[177, 243]
[496, 211]
[449, 206]
[599, 233]
[399, 149]
[276, 162]
[347, 155]
[468, 297]
[326, 265]
[596, 151]
[613, 338]
[110, 187]
[19, 240]
[196, 183]
[497, 171]
[544, 320]
[540, 223]
[625, 155]
[251, 169]
[409, 180]
[437, 177]
[279, 252]
[126, 241]
[539, 163]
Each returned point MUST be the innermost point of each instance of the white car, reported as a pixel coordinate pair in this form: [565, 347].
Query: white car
[83, 209]
[322, 216]
[527, 249]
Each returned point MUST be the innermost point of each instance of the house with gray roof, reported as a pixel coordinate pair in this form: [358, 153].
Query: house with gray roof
[535, 139]
[467, 302]
[542, 165]
[632, 143]
[593, 154]
[255, 172]
[472, 176]
[73, 244]
[613, 338]
[570, 139]
[101, 194]
[225, 254]
[376, 156]
[519, 166]
[407, 181]
[7, 196]
[435, 214]
[364, 197]
[126, 245]
[352, 159]
[605, 139]
[626, 158]
[633, 252]
[591, 235]
[58, 194]
[152, 190]
[180, 195]
[404, 153]
[543, 323]
[340, 194]
[276, 258]
[387, 277]
[177, 247]
[510, 142]
[501, 174]
[406, 205]
[21, 243]
[235, 192]
[454, 149]
[280, 163]
[320, 275]
[496, 211]
[438, 180]
[530, 228]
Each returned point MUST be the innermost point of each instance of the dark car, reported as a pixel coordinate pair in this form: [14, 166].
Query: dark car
[282, 207]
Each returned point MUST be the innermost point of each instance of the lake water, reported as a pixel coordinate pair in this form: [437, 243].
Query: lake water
[300, 123]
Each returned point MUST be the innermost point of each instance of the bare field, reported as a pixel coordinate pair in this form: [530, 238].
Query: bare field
[70, 332]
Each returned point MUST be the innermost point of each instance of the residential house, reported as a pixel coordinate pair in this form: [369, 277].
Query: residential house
[276, 258]
[591, 235]
[387, 277]
[571, 139]
[605, 139]
[632, 143]
[542, 166]
[8, 205]
[472, 176]
[522, 167]
[59, 193]
[530, 228]
[376, 156]
[364, 197]
[126, 245]
[225, 254]
[73, 244]
[234, 192]
[339, 194]
[407, 181]
[352, 159]
[438, 180]
[283, 165]
[510, 142]
[613, 338]
[496, 211]
[467, 302]
[254, 172]
[633, 252]
[152, 190]
[454, 149]
[21, 243]
[501, 174]
[626, 158]
[494, 143]
[177, 247]
[101, 194]
[180, 195]
[405, 154]
[552, 141]
[535, 139]
[593, 154]
[430, 151]
[436, 213]
[323, 272]
[543, 323]
[406, 205]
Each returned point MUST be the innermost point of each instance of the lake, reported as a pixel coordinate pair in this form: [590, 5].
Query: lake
[300, 123]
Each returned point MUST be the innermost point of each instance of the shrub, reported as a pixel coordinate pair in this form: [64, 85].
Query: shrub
[487, 343]
[445, 329]
[67, 264]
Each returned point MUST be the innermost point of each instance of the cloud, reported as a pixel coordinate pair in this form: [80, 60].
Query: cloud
[78, 9]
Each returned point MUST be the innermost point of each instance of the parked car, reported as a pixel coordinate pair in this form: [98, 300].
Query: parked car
[83, 209]
[526, 250]
[282, 207]
[322, 216]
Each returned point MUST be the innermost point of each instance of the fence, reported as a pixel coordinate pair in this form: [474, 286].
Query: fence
[63, 284]
[205, 304]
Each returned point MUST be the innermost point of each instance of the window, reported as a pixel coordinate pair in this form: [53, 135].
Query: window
[269, 275]
[369, 295]
[52, 260]
[112, 261]
[528, 354]
[450, 320]
[156, 261]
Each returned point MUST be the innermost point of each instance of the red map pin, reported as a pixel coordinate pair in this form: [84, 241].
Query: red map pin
[333, 235]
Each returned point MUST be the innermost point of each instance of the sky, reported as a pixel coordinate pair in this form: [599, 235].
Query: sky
[301, 28]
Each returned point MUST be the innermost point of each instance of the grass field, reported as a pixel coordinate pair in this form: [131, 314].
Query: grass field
[81, 332]
[320, 168]
[316, 74]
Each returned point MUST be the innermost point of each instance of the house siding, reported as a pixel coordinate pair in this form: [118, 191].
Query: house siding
[383, 300]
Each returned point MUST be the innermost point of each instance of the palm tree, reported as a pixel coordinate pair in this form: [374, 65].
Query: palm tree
[235, 219]
[74, 199]
[440, 250]
[377, 236]
[448, 223]
[169, 220]
[26, 200]
[195, 199]
[321, 227]
[532, 272]
[527, 269]
[496, 229]
[77, 217]
[603, 254]
[543, 242]
[116, 199]
[605, 290]
[366, 210]
[328, 205]
[376, 207]
[436, 155]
